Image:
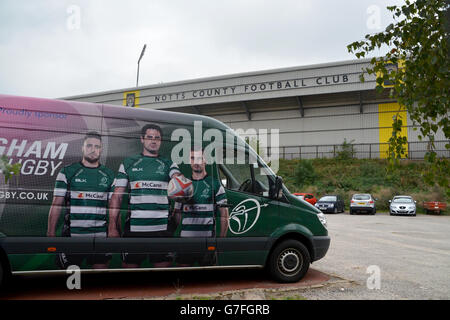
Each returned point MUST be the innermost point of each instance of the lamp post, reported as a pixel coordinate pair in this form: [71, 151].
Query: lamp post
[142, 54]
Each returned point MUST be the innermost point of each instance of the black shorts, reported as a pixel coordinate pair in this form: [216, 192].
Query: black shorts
[202, 259]
[64, 260]
[138, 258]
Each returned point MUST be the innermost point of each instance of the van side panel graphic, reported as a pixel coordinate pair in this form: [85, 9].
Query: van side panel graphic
[46, 136]
[113, 211]
[244, 216]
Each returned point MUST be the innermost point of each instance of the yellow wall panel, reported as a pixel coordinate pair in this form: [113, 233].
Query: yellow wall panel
[386, 112]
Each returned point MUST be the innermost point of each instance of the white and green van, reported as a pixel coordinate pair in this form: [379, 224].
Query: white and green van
[92, 192]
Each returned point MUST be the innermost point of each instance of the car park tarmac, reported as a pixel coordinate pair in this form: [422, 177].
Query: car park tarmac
[411, 255]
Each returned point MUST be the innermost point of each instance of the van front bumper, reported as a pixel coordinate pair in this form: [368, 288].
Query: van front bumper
[320, 246]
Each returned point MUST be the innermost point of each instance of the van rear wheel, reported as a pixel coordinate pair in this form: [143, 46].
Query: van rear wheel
[289, 261]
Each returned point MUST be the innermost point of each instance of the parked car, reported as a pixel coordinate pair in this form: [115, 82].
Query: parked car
[331, 203]
[309, 197]
[434, 207]
[402, 205]
[362, 203]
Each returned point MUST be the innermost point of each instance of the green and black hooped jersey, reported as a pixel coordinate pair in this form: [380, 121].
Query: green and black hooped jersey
[86, 191]
[147, 179]
[198, 214]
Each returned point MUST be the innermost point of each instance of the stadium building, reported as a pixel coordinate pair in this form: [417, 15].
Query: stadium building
[315, 108]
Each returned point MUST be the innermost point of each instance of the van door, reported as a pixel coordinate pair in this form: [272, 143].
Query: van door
[252, 214]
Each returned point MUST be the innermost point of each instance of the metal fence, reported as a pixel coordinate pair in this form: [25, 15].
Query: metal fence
[416, 150]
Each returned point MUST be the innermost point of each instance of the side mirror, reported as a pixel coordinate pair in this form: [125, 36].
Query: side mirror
[390, 201]
[376, 199]
[275, 188]
[415, 201]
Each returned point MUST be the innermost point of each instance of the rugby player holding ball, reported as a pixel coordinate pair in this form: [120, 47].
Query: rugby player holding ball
[198, 214]
[146, 176]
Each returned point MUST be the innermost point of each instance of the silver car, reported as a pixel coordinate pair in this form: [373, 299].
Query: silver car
[362, 203]
[402, 205]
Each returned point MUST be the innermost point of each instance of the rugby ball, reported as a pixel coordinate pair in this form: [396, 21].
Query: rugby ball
[180, 188]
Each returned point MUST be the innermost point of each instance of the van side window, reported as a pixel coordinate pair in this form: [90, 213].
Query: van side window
[236, 177]
[247, 177]
[261, 183]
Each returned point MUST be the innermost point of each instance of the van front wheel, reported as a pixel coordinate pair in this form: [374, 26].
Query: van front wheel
[289, 261]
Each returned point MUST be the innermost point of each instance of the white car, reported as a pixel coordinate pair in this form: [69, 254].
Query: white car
[362, 203]
[402, 205]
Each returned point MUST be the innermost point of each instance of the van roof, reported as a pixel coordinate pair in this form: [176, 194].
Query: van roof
[106, 110]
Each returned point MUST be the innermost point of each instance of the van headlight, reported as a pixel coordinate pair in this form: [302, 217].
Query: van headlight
[322, 219]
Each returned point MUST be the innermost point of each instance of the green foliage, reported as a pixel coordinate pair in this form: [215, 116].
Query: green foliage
[347, 177]
[8, 169]
[418, 43]
[346, 151]
[397, 143]
[371, 174]
[305, 173]
[438, 172]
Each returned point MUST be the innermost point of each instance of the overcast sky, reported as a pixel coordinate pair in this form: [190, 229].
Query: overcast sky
[59, 48]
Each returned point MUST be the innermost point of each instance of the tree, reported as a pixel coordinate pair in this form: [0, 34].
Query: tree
[417, 42]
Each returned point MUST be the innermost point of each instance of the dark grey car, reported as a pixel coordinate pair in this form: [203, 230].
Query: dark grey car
[331, 204]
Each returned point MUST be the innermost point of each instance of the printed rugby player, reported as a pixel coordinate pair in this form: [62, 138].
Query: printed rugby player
[83, 189]
[198, 215]
[146, 176]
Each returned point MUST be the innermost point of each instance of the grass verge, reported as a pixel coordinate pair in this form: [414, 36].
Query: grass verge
[349, 176]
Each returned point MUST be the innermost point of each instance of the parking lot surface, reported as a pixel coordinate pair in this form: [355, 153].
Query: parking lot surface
[370, 257]
[411, 255]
